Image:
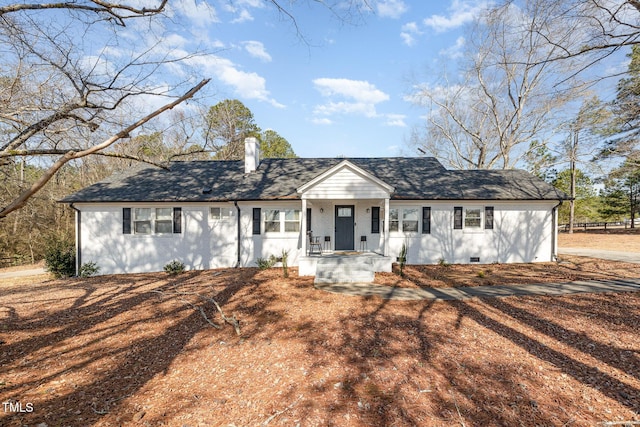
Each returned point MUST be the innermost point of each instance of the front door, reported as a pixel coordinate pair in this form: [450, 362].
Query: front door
[344, 228]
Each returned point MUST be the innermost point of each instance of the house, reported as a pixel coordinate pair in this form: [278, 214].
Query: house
[210, 214]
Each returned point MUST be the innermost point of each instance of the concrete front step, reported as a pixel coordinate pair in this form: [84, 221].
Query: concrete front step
[343, 270]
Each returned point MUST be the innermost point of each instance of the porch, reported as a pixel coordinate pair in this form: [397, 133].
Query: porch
[344, 267]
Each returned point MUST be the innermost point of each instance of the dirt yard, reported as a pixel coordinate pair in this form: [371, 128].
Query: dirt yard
[136, 350]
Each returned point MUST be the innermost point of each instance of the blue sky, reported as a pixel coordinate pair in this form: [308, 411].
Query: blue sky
[330, 87]
[339, 91]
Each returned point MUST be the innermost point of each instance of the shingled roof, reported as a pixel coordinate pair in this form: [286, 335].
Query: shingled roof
[414, 178]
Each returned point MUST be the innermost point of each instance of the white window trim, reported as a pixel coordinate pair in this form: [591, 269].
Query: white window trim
[152, 220]
[400, 230]
[282, 221]
[473, 230]
[226, 214]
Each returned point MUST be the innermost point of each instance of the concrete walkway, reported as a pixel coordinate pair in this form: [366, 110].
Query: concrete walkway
[451, 294]
[633, 257]
[22, 273]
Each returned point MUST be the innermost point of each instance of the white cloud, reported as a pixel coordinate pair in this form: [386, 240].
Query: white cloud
[454, 51]
[396, 120]
[245, 84]
[257, 50]
[360, 91]
[201, 14]
[391, 8]
[352, 97]
[240, 8]
[321, 121]
[461, 12]
[409, 32]
[243, 16]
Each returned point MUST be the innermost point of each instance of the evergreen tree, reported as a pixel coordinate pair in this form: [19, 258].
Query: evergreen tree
[227, 124]
[272, 145]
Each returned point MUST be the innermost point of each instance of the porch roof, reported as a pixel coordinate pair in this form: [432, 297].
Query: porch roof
[411, 178]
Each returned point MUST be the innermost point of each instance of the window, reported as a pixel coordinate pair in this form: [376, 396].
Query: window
[142, 221]
[308, 219]
[219, 214]
[164, 220]
[344, 212]
[375, 220]
[151, 220]
[271, 221]
[393, 220]
[472, 218]
[406, 220]
[281, 221]
[291, 221]
[410, 220]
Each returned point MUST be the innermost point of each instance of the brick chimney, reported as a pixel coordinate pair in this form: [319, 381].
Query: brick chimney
[251, 154]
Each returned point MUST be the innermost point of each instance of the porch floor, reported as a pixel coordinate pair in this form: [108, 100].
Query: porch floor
[347, 265]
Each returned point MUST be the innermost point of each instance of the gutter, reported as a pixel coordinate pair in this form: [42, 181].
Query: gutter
[554, 235]
[235, 203]
[78, 237]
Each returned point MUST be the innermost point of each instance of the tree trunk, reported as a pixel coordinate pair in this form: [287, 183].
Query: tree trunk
[572, 202]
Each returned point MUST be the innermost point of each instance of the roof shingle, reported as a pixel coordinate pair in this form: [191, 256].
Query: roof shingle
[414, 178]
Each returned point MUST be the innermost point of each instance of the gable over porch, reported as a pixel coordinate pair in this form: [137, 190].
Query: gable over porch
[345, 209]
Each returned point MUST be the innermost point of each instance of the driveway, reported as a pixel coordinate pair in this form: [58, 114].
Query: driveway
[623, 256]
[22, 273]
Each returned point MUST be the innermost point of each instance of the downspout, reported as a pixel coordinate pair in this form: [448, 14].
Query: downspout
[78, 236]
[235, 203]
[554, 234]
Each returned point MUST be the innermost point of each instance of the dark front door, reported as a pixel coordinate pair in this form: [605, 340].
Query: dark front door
[344, 228]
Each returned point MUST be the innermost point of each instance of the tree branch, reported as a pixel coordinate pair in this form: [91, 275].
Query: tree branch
[71, 155]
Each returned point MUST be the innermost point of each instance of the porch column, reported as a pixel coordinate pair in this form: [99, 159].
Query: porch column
[386, 227]
[303, 228]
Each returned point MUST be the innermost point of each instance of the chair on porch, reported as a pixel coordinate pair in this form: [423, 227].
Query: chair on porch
[314, 244]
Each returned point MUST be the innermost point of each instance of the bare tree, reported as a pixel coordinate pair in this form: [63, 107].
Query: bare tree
[582, 143]
[599, 28]
[60, 101]
[507, 96]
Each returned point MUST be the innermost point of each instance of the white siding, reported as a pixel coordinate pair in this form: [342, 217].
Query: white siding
[345, 184]
[267, 244]
[522, 232]
[203, 244]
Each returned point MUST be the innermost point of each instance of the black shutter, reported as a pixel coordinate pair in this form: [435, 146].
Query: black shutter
[375, 220]
[488, 218]
[177, 220]
[308, 219]
[126, 220]
[457, 218]
[426, 220]
[257, 213]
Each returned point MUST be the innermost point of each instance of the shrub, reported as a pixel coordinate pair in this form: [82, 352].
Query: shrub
[174, 267]
[402, 259]
[481, 274]
[285, 267]
[89, 269]
[60, 256]
[443, 263]
[265, 263]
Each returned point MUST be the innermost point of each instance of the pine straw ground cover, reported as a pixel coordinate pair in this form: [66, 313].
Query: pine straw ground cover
[134, 350]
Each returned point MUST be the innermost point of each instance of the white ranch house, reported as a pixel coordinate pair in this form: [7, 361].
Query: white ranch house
[211, 214]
